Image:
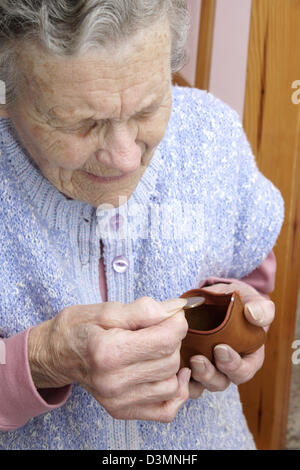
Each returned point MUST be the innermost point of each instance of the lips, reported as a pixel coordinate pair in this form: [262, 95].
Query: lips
[103, 179]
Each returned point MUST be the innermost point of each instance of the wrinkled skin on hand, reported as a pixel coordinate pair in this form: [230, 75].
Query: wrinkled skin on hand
[127, 356]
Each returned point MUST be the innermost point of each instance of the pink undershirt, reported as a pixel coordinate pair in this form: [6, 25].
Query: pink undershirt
[21, 401]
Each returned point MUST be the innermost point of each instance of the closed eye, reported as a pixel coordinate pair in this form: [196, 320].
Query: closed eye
[78, 129]
[147, 114]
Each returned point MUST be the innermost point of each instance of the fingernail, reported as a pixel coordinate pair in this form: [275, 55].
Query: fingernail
[255, 312]
[222, 353]
[200, 364]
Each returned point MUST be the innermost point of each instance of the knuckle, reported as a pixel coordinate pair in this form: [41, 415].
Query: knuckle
[109, 388]
[168, 348]
[147, 304]
[243, 375]
[62, 318]
[246, 377]
[172, 386]
[235, 365]
[175, 362]
[112, 391]
[182, 325]
[185, 326]
[208, 376]
[165, 390]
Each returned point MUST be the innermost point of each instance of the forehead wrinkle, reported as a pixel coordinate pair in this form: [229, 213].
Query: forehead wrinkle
[109, 96]
[116, 111]
[114, 114]
[113, 71]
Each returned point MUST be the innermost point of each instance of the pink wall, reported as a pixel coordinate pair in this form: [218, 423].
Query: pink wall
[229, 52]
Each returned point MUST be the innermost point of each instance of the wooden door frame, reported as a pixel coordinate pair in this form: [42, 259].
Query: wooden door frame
[205, 44]
[272, 124]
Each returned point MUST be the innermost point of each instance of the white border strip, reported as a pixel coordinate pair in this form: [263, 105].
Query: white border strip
[2, 92]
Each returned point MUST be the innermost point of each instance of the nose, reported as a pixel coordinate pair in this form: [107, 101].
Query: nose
[119, 149]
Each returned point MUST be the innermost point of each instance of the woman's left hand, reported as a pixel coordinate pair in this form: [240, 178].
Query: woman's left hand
[229, 365]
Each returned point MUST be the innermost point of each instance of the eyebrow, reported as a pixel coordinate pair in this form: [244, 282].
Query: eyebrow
[64, 121]
[52, 118]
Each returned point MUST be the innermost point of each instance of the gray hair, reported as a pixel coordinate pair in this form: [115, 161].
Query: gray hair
[71, 27]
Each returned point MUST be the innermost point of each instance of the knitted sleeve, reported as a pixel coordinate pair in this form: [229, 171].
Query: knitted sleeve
[259, 213]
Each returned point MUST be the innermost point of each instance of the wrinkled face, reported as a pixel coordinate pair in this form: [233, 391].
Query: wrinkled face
[101, 114]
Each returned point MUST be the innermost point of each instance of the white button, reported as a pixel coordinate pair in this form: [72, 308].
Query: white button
[120, 264]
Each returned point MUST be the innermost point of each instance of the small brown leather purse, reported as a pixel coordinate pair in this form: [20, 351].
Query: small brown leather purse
[220, 319]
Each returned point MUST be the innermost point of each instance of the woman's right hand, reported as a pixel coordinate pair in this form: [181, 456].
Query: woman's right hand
[126, 355]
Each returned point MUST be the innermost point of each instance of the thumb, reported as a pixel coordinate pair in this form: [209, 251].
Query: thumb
[141, 313]
[146, 311]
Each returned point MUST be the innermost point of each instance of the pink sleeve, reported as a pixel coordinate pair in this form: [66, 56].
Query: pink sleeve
[20, 400]
[262, 278]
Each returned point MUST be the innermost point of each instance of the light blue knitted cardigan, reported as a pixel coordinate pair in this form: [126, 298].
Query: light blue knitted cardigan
[201, 209]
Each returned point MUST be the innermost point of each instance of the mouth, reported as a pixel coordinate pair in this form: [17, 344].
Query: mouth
[102, 179]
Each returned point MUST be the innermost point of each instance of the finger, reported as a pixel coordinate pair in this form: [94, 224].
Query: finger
[146, 393]
[143, 312]
[260, 312]
[159, 340]
[238, 369]
[110, 382]
[207, 375]
[164, 411]
[146, 311]
[257, 309]
[125, 347]
[244, 289]
[147, 371]
[167, 410]
[195, 389]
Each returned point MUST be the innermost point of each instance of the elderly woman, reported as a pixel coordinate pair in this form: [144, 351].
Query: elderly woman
[119, 192]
